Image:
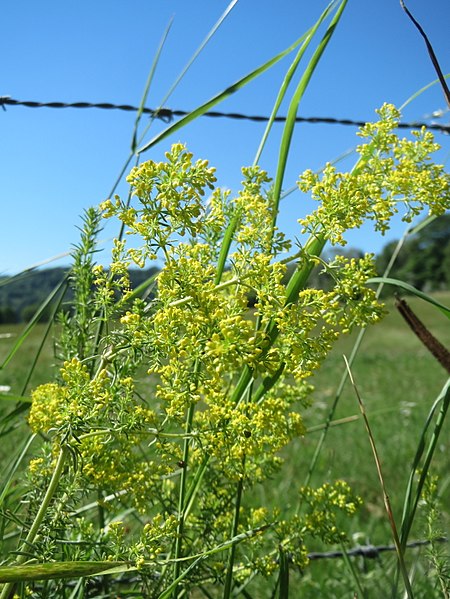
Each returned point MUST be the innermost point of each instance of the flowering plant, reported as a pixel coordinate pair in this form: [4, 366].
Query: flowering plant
[174, 407]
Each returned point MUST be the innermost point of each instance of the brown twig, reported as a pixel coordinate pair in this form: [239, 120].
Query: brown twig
[440, 352]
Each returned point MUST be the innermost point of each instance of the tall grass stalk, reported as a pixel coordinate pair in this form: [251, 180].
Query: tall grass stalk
[421, 464]
[399, 548]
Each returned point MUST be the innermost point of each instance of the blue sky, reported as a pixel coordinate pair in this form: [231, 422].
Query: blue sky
[55, 163]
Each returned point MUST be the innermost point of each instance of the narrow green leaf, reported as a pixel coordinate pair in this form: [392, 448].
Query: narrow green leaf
[421, 91]
[423, 223]
[148, 83]
[293, 107]
[29, 270]
[410, 502]
[148, 283]
[412, 497]
[413, 291]
[305, 40]
[166, 97]
[353, 354]
[200, 49]
[307, 37]
[218, 98]
[202, 556]
[11, 469]
[21, 398]
[54, 570]
[284, 574]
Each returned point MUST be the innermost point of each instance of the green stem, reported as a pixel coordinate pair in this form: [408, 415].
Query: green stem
[182, 496]
[31, 537]
[225, 248]
[232, 553]
[313, 247]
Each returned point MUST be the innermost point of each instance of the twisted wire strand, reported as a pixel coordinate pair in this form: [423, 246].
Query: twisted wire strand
[371, 551]
[167, 114]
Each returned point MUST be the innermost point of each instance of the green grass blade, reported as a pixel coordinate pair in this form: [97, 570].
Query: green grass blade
[50, 571]
[412, 498]
[166, 97]
[20, 398]
[410, 504]
[313, 247]
[353, 354]
[307, 37]
[293, 107]
[353, 572]
[421, 91]
[190, 62]
[218, 98]
[284, 574]
[195, 487]
[305, 40]
[12, 469]
[232, 551]
[30, 269]
[407, 287]
[202, 46]
[423, 223]
[202, 556]
[147, 285]
[386, 499]
[225, 248]
[44, 337]
[298, 280]
[148, 83]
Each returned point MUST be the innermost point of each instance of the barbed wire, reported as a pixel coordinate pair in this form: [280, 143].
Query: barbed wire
[368, 551]
[371, 551]
[167, 114]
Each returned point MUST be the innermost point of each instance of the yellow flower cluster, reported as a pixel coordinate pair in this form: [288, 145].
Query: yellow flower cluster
[75, 404]
[170, 203]
[245, 438]
[390, 171]
[323, 505]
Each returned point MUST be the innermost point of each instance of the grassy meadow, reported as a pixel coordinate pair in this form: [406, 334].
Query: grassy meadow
[398, 381]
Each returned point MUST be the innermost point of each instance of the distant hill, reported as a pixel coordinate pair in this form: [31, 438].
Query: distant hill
[21, 295]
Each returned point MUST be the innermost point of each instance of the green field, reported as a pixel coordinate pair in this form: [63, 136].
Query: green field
[398, 380]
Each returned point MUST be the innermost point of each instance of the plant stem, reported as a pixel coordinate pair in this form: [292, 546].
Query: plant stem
[399, 548]
[8, 588]
[232, 553]
[183, 483]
